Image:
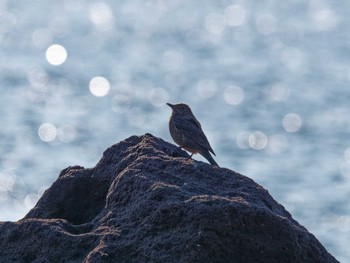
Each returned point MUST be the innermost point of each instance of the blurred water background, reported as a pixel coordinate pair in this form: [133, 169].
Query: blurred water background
[269, 81]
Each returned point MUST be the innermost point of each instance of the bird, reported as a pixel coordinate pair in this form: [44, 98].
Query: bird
[187, 132]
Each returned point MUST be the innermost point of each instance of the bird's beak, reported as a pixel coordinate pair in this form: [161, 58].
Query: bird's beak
[170, 105]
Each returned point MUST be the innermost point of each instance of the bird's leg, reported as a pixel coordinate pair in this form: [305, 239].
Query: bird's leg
[184, 150]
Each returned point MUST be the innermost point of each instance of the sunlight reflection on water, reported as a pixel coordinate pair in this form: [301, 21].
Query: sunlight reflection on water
[269, 83]
[56, 54]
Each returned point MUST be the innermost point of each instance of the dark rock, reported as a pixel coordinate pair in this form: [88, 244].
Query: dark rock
[147, 201]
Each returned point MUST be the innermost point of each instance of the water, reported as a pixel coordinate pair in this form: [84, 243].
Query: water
[269, 81]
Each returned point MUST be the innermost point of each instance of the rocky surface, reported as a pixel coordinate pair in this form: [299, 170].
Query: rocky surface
[147, 201]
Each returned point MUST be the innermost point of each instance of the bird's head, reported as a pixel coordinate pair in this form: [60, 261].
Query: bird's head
[180, 108]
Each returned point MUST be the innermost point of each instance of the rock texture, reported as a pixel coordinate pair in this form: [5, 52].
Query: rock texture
[147, 201]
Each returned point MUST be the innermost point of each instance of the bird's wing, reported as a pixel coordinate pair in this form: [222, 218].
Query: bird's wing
[192, 129]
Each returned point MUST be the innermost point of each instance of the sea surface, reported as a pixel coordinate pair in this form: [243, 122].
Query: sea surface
[268, 80]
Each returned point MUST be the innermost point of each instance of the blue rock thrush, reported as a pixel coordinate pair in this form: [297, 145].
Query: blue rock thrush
[187, 132]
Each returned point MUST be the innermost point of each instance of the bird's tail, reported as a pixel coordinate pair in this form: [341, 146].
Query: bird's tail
[207, 156]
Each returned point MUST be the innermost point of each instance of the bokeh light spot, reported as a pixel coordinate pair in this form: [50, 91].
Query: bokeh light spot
[233, 95]
[215, 24]
[235, 15]
[257, 140]
[323, 18]
[30, 200]
[56, 54]
[279, 92]
[38, 78]
[66, 133]
[292, 122]
[99, 86]
[41, 38]
[7, 181]
[102, 16]
[47, 132]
